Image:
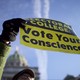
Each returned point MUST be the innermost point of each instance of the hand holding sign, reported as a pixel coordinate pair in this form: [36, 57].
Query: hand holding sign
[11, 28]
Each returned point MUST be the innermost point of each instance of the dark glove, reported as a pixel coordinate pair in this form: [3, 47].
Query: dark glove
[11, 28]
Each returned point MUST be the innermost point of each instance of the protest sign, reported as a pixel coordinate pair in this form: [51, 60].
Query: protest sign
[49, 34]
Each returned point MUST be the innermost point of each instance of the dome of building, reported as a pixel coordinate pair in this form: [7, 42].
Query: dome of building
[16, 60]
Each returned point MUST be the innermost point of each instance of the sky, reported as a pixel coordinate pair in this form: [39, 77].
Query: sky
[56, 64]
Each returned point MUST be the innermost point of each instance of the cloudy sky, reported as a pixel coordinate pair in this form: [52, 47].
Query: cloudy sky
[56, 65]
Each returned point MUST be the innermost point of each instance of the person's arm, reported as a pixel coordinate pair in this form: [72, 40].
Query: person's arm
[4, 52]
[9, 33]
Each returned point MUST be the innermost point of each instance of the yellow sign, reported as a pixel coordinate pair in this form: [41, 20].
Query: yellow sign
[38, 33]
